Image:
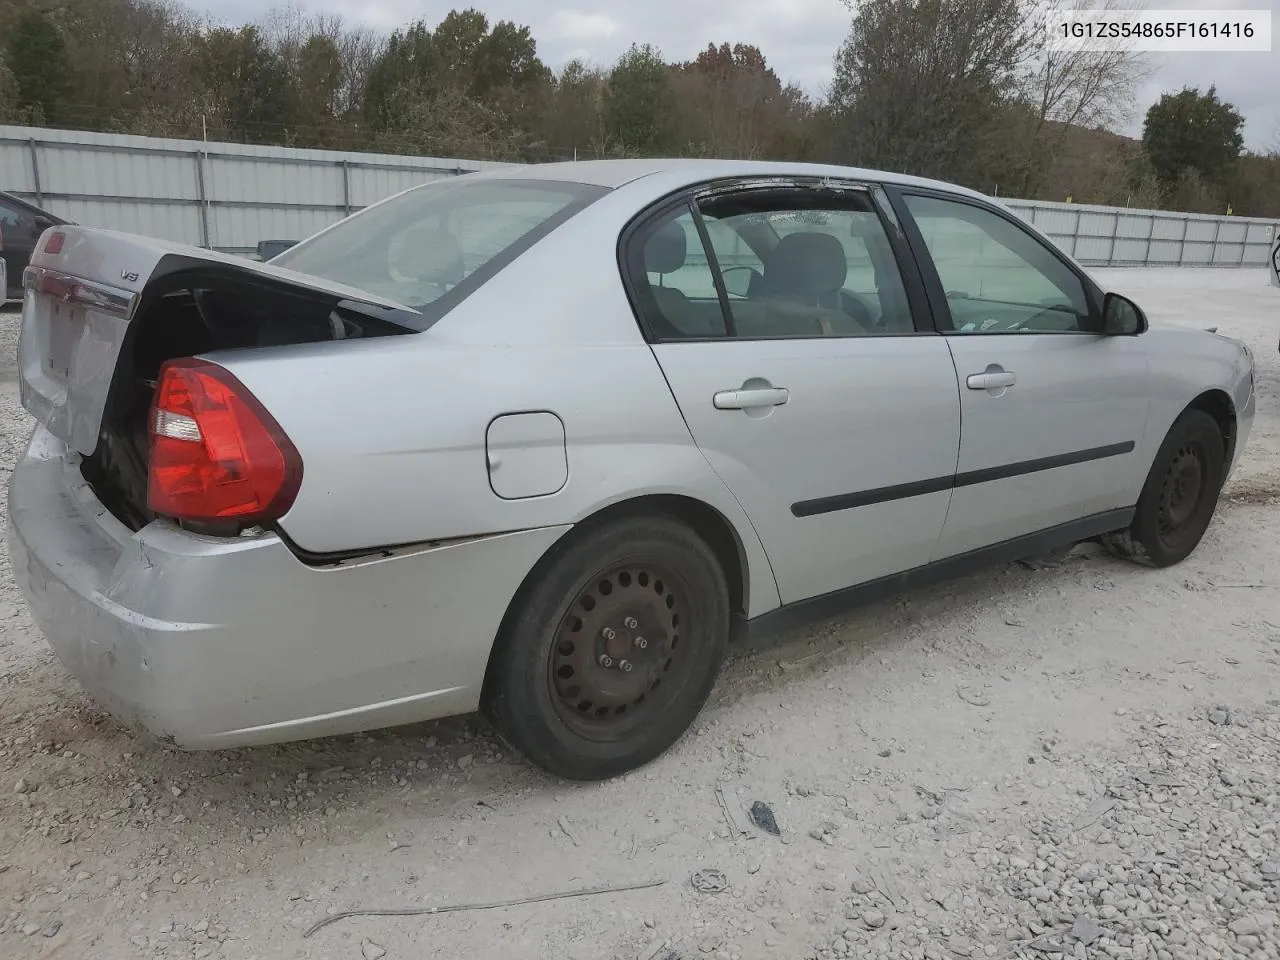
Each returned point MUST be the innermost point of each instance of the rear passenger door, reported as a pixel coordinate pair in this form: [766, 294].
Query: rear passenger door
[805, 367]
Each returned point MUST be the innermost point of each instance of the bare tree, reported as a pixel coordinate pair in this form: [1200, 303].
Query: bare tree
[323, 47]
[360, 49]
[1076, 86]
[1084, 87]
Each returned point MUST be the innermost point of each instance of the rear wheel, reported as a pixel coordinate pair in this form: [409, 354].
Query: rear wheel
[1180, 495]
[610, 653]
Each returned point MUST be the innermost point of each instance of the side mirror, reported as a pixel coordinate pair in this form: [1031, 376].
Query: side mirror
[1121, 317]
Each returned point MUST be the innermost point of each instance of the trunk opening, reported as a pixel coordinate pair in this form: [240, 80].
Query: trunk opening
[191, 310]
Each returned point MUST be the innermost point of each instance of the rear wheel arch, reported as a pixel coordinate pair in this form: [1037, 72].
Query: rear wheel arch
[703, 519]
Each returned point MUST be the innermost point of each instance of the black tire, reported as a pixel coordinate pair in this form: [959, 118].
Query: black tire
[611, 649]
[1180, 495]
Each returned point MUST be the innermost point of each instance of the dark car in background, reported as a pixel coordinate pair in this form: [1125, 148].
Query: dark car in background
[21, 224]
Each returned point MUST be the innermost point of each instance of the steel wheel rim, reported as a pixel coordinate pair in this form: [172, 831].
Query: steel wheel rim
[620, 649]
[1181, 493]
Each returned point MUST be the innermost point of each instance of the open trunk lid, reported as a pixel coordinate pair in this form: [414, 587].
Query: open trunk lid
[87, 291]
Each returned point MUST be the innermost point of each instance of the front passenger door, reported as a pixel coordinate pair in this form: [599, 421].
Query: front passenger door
[1052, 410]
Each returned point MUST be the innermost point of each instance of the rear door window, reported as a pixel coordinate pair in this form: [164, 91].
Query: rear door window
[807, 263]
[768, 263]
[14, 224]
[679, 299]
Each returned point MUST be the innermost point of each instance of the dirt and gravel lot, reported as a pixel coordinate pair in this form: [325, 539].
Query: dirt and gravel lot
[1079, 761]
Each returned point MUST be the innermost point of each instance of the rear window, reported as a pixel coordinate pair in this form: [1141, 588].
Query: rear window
[431, 247]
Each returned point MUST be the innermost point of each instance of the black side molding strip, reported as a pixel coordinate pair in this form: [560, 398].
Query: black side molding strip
[756, 631]
[1044, 463]
[918, 488]
[865, 498]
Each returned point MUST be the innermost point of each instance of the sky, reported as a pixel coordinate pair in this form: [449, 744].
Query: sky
[799, 38]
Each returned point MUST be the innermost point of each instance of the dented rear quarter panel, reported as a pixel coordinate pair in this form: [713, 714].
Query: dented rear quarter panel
[392, 431]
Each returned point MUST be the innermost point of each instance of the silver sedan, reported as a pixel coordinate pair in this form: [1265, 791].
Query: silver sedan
[544, 441]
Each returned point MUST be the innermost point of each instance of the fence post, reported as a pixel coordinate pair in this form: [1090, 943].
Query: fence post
[1182, 241]
[204, 200]
[1075, 234]
[1151, 232]
[1213, 251]
[346, 187]
[35, 171]
[1115, 230]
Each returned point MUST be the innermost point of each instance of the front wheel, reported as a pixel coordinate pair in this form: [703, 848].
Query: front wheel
[608, 655]
[1180, 495]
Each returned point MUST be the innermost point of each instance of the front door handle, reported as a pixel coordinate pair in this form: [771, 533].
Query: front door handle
[991, 380]
[751, 398]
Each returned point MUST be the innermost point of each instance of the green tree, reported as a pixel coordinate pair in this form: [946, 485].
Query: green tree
[37, 61]
[639, 101]
[9, 111]
[508, 57]
[925, 86]
[407, 64]
[1190, 130]
[730, 103]
[319, 84]
[458, 40]
[574, 122]
[462, 56]
[252, 85]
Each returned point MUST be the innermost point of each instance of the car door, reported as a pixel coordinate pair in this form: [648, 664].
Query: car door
[1052, 410]
[829, 412]
[15, 245]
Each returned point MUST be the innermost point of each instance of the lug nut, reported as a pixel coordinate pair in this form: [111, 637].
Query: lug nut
[641, 643]
[606, 661]
[631, 623]
[624, 666]
[609, 633]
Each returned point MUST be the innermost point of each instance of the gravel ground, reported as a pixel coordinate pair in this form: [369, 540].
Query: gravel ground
[1077, 761]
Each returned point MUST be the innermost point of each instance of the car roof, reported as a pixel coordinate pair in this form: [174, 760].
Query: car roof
[617, 173]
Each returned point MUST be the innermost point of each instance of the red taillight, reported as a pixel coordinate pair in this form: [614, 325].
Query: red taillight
[216, 454]
[53, 246]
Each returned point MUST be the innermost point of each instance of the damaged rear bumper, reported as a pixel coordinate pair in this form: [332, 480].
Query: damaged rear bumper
[212, 642]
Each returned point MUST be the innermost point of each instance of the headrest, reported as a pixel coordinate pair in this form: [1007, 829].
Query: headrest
[666, 249]
[806, 263]
[430, 255]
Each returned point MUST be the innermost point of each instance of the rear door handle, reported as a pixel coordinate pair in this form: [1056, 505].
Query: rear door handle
[750, 399]
[991, 381]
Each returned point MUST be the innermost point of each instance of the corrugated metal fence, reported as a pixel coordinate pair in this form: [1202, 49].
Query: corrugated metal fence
[231, 196]
[1113, 236]
[221, 195]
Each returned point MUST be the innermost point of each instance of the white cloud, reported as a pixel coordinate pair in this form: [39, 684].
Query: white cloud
[576, 25]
